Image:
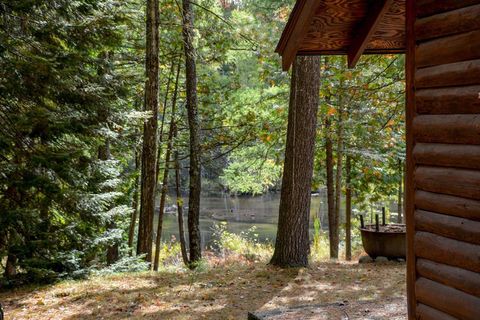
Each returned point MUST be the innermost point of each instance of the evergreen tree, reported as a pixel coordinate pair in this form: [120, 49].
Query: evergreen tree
[60, 101]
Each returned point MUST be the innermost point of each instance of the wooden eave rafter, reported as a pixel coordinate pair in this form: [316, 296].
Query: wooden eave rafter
[295, 31]
[366, 32]
[343, 27]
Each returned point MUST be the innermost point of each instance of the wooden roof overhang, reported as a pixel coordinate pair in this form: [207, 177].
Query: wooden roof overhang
[343, 27]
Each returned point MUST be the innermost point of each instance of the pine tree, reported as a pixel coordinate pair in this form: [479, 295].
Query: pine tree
[292, 245]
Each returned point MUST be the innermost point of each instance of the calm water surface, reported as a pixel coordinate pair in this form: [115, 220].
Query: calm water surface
[240, 212]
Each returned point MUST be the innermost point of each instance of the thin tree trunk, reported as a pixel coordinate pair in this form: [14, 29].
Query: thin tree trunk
[400, 196]
[149, 152]
[330, 190]
[181, 231]
[163, 196]
[133, 219]
[292, 245]
[179, 200]
[165, 174]
[162, 124]
[339, 173]
[194, 129]
[348, 210]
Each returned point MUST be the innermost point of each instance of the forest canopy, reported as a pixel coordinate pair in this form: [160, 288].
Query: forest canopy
[74, 111]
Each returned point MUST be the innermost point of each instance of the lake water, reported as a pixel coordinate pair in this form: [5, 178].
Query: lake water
[240, 213]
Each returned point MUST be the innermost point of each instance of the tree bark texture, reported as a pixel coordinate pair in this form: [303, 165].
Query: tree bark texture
[163, 195]
[149, 152]
[348, 209]
[400, 193]
[330, 191]
[162, 123]
[181, 231]
[133, 218]
[292, 246]
[194, 129]
[339, 173]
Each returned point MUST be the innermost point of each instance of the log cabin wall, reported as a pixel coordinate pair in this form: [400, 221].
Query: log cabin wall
[443, 134]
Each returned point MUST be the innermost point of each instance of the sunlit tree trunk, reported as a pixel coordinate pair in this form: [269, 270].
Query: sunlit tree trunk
[162, 123]
[292, 245]
[149, 152]
[194, 129]
[348, 209]
[163, 195]
[339, 173]
[181, 231]
[133, 218]
[330, 190]
[400, 193]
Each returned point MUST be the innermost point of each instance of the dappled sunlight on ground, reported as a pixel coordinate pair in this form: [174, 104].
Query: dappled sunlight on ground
[224, 291]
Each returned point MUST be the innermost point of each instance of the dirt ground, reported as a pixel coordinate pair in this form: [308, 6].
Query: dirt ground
[224, 290]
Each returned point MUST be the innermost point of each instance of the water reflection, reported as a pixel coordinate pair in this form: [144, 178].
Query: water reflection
[241, 213]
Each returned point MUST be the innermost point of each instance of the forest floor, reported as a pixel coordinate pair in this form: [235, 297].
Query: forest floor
[224, 289]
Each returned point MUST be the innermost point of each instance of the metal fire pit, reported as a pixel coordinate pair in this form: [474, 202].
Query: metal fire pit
[390, 241]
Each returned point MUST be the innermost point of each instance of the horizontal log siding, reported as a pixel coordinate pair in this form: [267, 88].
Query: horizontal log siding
[451, 181]
[461, 47]
[456, 74]
[449, 205]
[428, 313]
[452, 100]
[447, 299]
[447, 251]
[431, 7]
[463, 280]
[446, 154]
[450, 129]
[447, 226]
[449, 23]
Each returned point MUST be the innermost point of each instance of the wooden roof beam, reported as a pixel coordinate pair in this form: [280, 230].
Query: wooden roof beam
[296, 30]
[367, 30]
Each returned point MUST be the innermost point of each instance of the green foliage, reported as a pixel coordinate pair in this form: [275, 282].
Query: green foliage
[62, 101]
[250, 172]
[320, 249]
[71, 91]
[245, 244]
[125, 264]
[371, 100]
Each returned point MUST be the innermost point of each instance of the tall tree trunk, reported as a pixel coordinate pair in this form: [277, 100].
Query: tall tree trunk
[162, 124]
[400, 193]
[136, 189]
[181, 231]
[330, 190]
[163, 196]
[292, 245]
[339, 173]
[348, 210]
[133, 219]
[179, 200]
[194, 129]
[149, 152]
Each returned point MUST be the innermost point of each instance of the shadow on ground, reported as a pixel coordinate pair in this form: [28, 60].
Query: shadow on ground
[227, 291]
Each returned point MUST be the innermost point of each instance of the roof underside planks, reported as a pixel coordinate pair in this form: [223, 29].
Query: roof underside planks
[343, 27]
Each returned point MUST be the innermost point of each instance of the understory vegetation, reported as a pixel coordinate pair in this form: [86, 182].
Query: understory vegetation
[224, 289]
[113, 111]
